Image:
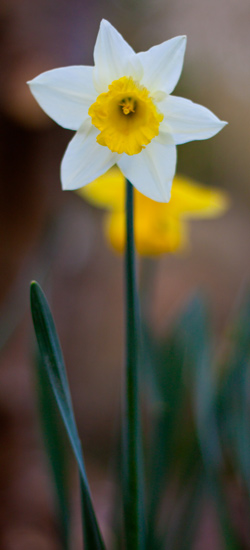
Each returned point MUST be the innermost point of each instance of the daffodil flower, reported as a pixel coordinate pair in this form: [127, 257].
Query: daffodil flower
[159, 228]
[123, 113]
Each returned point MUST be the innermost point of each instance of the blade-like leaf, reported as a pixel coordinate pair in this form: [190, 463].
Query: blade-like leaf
[190, 513]
[233, 395]
[174, 452]
[57, 452]
[164, 364]
[52, 359]
[187, 436]
[196, 338]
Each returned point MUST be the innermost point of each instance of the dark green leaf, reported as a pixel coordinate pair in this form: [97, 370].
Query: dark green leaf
[53, 362]
[196, 338]
[54, 439]
[233, 395]
[174, 452]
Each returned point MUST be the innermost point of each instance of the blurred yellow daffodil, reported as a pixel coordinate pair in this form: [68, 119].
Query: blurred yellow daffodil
[159, 227]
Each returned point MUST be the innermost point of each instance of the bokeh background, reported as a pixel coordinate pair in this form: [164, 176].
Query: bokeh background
[57, 239]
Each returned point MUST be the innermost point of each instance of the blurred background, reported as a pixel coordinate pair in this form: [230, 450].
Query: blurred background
[57, 239]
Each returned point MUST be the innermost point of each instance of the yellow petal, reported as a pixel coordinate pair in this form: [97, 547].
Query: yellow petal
[191, 200]
[159, 227]
[152, 238]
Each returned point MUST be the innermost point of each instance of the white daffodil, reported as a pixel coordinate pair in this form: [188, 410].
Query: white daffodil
[123, 113]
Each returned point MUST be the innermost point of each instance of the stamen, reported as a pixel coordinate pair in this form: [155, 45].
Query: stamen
[128, 105]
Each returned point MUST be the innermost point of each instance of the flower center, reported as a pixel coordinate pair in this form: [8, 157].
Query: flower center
[126, 117]
[128, 105]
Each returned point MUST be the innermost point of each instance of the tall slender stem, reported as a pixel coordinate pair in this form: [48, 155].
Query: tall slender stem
[132, 455]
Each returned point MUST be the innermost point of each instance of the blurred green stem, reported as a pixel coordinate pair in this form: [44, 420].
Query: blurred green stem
[132, 452]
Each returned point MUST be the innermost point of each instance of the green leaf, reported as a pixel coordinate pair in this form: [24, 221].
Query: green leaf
[197, 341]
[164, 366]
[54, 439]
[187, 434]
[233, 395]
[190, 513]
[53, 362]
[174, 452]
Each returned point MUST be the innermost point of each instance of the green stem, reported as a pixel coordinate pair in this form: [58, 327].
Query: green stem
[132, 452]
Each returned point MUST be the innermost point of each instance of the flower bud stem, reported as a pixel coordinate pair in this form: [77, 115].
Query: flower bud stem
[131, 440]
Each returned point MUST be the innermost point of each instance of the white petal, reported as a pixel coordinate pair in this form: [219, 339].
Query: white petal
[133, 67]
[152, 170]
[188, 121]
[84, 159]
[162, 64]
[111, 55]
[65, 94]
[164, 136]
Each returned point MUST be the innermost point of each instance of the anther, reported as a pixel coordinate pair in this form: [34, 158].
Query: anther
[128, 105]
